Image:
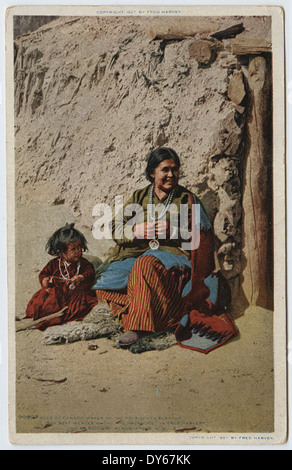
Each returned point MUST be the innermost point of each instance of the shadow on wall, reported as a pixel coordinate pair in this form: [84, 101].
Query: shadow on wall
[27, 24]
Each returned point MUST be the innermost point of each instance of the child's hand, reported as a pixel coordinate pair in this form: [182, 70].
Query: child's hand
[46, 282]
[77, 279]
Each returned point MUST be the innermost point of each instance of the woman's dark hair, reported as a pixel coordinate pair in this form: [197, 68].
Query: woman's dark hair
[59, 241]
[156, 157]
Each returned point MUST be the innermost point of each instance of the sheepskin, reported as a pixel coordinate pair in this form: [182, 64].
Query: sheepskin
[101, 324]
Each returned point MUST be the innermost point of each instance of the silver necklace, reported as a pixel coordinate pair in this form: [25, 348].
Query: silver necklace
[66, 276]
[166, 207]
[154, 244]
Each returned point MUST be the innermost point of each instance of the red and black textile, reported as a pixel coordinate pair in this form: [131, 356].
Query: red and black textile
[205, 325]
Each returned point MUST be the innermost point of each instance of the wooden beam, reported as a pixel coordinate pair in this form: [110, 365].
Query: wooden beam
[180, 28]
[203, 51]
[257, 192]
[250, 46]
[229, 32]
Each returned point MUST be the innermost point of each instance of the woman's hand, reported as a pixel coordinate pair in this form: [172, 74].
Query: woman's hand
[145, 230]
[159, 229]
[164, 230]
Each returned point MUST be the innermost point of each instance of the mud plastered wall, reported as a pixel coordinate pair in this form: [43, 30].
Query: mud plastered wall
[94, 95]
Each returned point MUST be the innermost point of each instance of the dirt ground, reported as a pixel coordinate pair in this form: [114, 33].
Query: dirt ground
[74, 388]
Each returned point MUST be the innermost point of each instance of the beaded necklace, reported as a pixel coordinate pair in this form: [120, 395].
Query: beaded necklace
[66, 276]
[166, 207]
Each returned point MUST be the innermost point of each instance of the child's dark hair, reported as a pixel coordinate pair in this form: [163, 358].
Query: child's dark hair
[59, 241]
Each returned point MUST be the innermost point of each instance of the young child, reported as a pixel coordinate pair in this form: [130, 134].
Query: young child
[66, 281]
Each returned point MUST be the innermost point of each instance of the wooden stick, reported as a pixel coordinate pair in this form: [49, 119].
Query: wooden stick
[229, 32]
[250, 46]
[28, 324]
[180, 28]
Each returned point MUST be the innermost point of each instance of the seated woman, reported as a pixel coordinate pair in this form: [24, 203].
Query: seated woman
[155, 274]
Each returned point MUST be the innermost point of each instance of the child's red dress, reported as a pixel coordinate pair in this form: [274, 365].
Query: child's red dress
[79, 300]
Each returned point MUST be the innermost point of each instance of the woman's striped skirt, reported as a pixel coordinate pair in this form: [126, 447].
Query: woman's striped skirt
[153, 298]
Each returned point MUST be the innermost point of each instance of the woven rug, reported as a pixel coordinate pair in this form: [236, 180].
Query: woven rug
[204, 333]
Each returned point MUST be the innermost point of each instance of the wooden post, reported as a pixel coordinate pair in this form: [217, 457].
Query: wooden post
[257, 190]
